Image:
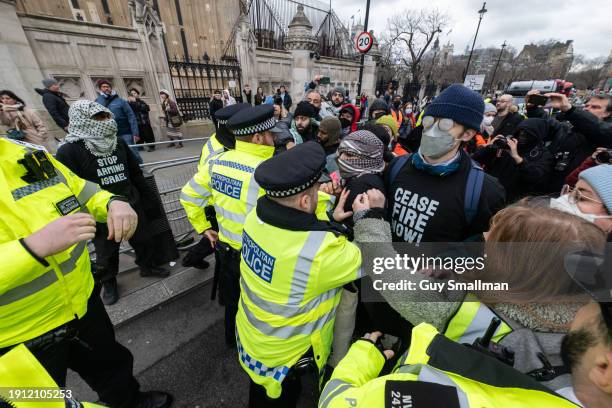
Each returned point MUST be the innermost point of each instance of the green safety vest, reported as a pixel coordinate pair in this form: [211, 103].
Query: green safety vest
[227, 182]
[472, 320]
[20, 371]
[290, 287]
[434, 366]
[36, 298]
[211, 148]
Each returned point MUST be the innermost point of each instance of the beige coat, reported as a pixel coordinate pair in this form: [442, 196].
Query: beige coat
[29, 123]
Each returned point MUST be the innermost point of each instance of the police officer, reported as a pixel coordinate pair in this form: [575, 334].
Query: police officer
[292, 270]
[435, 372]
[227, 182]
[47, 299]
[220, 141]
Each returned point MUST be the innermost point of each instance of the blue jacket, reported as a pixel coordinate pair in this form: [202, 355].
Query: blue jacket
[123, 113]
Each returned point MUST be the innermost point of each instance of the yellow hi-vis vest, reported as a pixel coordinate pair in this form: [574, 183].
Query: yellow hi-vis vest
[434, 366]
[227, 182]
[290, 284]
[472, 320]
[34, 297]
[22, 376]
[211, 148]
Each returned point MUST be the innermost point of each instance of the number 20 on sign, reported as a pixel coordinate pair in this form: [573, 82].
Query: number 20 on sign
[364, 42]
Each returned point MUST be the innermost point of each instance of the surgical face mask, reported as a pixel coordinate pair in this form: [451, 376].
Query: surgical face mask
[436, 142]
[488, 120]
[564, 204]
[408, 111]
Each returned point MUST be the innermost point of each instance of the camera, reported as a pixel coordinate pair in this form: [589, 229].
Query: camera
[604, 156]
[502, 143]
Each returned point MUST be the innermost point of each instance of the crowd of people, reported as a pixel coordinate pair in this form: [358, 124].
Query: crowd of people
[295, 200]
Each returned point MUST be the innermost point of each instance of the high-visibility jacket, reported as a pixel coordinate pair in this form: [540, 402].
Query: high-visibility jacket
[34, 297]
[472, 320]
[227, 182]
[435, 369]
[20, 372]
[398, 116]
[211, 148]
[290, 284]
[420, 119]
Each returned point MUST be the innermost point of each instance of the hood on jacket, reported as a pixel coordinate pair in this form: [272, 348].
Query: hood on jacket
[378, 104]
[356, 114]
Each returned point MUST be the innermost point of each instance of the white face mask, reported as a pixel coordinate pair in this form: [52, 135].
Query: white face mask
[408, 111]
[563, 204]
[488, 120]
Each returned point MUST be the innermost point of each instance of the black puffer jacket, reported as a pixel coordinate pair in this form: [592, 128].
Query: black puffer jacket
[532, 176]
[56, 106]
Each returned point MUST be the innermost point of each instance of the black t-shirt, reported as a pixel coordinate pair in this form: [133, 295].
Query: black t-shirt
[361, 184]
[428, 208]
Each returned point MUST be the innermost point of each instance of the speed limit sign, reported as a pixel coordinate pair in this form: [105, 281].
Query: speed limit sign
[364, 42]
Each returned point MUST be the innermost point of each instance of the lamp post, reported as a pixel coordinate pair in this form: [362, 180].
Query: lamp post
[497, 65]
[365, 28]
[482, 12]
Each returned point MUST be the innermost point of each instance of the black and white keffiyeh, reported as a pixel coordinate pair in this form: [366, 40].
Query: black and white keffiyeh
[100, 136]
[365, 154]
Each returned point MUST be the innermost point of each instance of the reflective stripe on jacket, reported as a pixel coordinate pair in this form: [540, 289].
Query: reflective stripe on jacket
[472, 379]
[211, 147]
[227, 182]
[35, 298]
[290, 287]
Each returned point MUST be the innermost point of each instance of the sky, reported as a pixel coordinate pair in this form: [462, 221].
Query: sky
[518, 22]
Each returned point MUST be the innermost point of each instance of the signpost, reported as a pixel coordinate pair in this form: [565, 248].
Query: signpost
[365, 46]
[474, 82]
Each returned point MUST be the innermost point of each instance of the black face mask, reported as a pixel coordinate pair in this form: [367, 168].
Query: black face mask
[396, 104]
[378, 115]
[524, 140]
[344, 122]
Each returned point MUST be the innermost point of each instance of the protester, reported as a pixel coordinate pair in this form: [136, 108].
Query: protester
[438, 174]
[591, 198]
[93, 152]
[336, 100]
[285, 97]
[215, 104]
[390, 125]
[54, 102]
[384, 136]
[248, 94]
[505, 122]
[280, 112]
[127, 125]
[540, 303]
[23, 123]
[379, 108]
[396, 110]
[600, 156]
[329, 137]
[260, 97]
[228, 99]
[302, 127]
[363, 103]
[487, 129]
[141, 110]
[314, 98]
[349, 116]
[172, 116]
[521, 163]
[409, 118]
[587, 352]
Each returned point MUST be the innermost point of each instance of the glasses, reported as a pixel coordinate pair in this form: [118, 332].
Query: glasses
[444, 124]
[576, 196]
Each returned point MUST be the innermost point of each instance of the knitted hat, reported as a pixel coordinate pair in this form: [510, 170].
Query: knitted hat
[600, 178]
[47, 82]
[304, 108]
[460, 104]
[164, 91]
[331, 125]
[379, 104]
[101, 82]
[340, 90]
[388, 121]
[489, 107]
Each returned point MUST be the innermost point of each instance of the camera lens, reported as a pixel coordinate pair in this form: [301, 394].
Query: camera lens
[603, 157]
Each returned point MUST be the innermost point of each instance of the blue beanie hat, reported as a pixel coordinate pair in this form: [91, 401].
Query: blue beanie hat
[600, 178]
[460, 104]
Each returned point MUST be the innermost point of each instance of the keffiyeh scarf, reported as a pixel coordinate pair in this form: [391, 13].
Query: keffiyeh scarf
[365, 154]
[99, 136]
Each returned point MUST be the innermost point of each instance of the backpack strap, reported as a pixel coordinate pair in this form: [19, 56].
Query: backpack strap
[394, 169]
[473, 189]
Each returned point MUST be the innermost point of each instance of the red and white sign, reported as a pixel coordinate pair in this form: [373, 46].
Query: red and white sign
[364, 42]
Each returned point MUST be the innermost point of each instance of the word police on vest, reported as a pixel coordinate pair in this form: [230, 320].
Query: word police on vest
[226, 185]
[258, 260]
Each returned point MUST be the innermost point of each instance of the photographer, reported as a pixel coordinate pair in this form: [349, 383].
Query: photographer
[599, 156]
[520, 162]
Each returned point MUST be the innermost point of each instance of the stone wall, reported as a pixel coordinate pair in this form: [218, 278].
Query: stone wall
[273, 69]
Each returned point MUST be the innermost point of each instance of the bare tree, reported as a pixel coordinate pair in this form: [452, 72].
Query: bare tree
[586, 72]
[410, 35]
